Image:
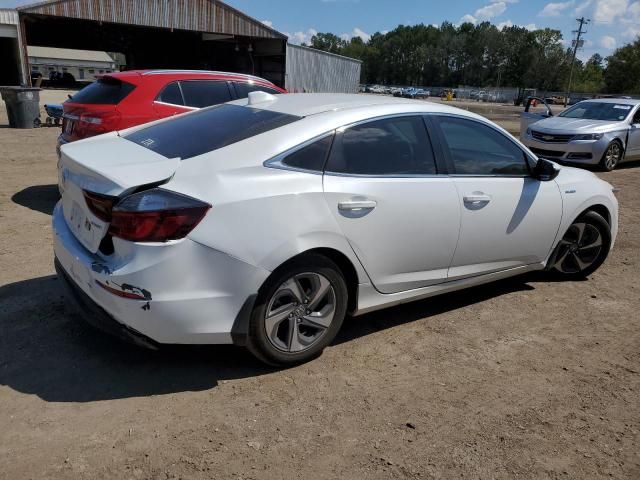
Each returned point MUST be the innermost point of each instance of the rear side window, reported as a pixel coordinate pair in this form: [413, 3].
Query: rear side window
[477, 149]
[205, 93]
[105, 91]
[244, 89]
[311, 157]
[171, 94]
[207, 130]
[392, 146]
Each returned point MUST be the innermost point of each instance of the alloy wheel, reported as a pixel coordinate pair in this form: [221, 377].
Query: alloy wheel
[579, 248]
[300, 312]
[612, 156]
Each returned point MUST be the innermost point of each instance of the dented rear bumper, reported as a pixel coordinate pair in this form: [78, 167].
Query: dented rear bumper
[181, 292]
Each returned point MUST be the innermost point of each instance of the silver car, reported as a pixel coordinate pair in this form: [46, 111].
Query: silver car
[603, 132]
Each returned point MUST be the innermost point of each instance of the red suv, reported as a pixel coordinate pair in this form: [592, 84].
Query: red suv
[124, 99]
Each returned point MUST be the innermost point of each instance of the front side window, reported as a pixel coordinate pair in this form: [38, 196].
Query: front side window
[388, 147]
[477, 149]
[206, 130]
[171, 94]
[243, 89]
[205, 93]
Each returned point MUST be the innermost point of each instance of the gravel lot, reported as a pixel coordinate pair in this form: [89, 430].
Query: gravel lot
[525, 378]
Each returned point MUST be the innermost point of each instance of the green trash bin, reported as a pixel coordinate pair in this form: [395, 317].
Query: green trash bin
[23, 106]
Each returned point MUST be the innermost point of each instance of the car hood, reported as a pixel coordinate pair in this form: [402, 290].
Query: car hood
[577, 125]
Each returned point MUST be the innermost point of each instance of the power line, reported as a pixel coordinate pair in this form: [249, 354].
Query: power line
[576, 44]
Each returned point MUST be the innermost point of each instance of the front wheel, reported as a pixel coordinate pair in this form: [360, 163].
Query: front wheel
[298, 312]
[583, 248]
[612, 156]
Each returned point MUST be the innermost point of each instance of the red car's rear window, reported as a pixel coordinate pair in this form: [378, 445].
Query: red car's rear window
[105, 91]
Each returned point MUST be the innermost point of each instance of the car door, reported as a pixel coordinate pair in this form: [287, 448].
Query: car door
[633, 141]
[170, 101]
[400, 217]
[508, 218]
[532, 114]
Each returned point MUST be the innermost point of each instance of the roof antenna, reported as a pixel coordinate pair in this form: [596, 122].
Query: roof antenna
[260, 97]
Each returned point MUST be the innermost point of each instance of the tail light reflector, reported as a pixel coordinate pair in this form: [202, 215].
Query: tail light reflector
[100, 205]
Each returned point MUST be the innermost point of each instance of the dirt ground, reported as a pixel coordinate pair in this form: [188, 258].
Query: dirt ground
[525, 378]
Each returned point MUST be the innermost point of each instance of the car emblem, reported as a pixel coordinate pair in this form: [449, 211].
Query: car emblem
[547, 138]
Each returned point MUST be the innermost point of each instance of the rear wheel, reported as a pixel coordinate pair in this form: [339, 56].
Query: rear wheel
[298, 312]
[612, 156]
[583, 248]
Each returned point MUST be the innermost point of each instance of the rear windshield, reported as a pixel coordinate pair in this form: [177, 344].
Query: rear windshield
[207, 130]
[105, 91]
[598, 111]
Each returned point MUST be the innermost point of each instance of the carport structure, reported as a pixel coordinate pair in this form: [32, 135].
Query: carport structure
[182, 34]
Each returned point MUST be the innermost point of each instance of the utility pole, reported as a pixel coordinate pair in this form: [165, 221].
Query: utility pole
[576, 44]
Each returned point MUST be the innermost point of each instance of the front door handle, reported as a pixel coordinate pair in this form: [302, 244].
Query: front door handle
[357, 205]
[477, 198]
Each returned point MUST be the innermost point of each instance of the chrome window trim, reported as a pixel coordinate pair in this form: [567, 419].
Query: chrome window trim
[276, 162]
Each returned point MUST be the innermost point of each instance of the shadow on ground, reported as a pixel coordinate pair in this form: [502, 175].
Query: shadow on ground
[42, 198]
[46, 349]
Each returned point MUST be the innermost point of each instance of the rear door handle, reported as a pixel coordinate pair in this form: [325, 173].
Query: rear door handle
[477, 198]
[357, 205]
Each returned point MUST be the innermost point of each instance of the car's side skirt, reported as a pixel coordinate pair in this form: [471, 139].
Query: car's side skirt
[369, 299]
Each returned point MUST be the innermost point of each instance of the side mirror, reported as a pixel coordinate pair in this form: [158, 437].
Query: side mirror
[544, 170]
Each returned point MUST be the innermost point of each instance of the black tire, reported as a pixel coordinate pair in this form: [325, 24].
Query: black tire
[563, 261]
[259, 342]
[612, 156]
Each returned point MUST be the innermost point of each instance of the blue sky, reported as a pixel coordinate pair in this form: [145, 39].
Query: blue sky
[614, 22]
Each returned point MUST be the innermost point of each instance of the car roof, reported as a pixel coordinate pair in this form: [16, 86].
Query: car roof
[617, 101]
[307, 104]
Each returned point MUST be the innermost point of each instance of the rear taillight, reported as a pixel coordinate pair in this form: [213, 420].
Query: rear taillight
[100, 205]
[100, 122]
[156, 216]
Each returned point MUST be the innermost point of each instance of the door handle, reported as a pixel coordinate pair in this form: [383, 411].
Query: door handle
[477, 198]
[357, 205]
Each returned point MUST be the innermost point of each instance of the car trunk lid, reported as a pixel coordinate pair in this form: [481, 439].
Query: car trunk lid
[109, 166]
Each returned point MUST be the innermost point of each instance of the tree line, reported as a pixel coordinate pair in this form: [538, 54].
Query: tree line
[485, 56]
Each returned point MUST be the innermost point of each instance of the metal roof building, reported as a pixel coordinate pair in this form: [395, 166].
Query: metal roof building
[176, 34]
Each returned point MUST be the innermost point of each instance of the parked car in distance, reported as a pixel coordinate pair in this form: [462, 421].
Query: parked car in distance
[124, 99]
[262, 222]
[603, 132]
[413, 92]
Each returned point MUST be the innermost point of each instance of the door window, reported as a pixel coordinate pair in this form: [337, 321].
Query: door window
[477, 149]
[389, 147]
[243, 89]
[204, 93]
[171, 94]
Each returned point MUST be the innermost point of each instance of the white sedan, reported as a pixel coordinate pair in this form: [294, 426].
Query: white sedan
[265, 221]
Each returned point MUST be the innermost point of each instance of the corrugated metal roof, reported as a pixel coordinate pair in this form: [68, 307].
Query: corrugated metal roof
[211, 16]
[8, 16]
[69, 54]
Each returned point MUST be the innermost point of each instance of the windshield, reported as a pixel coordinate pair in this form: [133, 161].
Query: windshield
[208, 129]
[613, 112]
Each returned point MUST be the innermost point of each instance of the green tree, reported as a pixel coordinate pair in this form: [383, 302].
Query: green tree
[623, 69]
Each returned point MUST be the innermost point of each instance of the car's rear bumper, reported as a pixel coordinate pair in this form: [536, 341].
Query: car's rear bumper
[191, 294]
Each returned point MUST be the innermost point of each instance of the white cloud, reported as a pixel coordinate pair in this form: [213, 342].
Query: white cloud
[508, 23]
[555, 9]
[301, 37]
[609, 10]
[608, 42]
[356, 33]
[268, 23]
[489, 11]
[469, 19]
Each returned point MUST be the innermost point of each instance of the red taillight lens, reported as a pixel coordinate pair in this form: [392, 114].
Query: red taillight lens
[156, 216]
[100, 122]
[100, 205]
